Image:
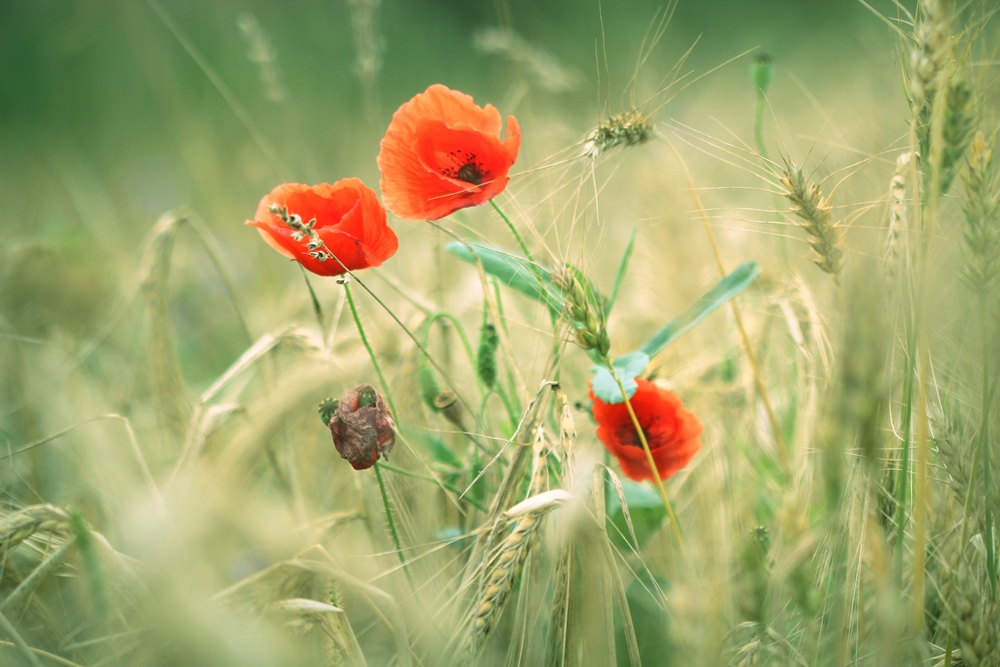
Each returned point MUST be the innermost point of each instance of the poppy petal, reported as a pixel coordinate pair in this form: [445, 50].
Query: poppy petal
[442, 153]
[671, 431]
[346, 216]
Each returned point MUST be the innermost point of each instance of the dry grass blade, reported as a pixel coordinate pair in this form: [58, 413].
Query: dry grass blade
[164, 369]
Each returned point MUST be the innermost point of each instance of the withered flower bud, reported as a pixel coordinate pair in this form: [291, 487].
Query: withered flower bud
[447, 404]
[362, 426]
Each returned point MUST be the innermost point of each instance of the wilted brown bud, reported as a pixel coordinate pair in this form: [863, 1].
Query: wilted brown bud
[447, 404]
[362, 426]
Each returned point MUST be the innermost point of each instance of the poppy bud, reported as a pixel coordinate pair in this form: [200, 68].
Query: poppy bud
[362, 426]
[762, 72]
[447, 404]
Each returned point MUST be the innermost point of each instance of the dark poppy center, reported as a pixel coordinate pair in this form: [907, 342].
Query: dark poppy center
[628, 437]
[470, 173]
[464, 167]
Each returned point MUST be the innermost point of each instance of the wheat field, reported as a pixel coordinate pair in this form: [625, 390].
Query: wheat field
[784, 216]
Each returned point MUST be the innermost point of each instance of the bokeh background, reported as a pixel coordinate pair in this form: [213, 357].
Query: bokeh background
[112, 113]
[115, 113]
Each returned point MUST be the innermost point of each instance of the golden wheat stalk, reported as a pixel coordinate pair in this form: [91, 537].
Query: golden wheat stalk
[507, 563]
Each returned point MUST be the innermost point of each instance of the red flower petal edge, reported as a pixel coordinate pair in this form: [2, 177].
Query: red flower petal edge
[671, 431]
[349, 221]
[442, 153]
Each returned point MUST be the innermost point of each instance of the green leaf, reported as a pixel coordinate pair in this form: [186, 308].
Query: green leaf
[512, 270]
[728, 287]
[622, 268]
[627, 368]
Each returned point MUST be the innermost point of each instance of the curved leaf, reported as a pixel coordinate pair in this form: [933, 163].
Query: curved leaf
[513, 271]
[726, 289]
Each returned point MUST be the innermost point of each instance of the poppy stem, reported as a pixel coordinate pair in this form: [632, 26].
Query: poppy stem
[649, 459]
[520, 241]
[392, 408]
[371, 353]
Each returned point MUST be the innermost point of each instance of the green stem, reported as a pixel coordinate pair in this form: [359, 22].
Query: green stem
[392, 524]
[371, 353]
[903, 480]
[520, 241]
[392, 407]
[984, 448]
[758, 125]
[649, 456]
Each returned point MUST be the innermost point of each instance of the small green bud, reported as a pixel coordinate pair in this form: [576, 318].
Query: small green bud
[603, 343]
[366, 396]
[429, 388]
[762, 71]
[327, 408]
[586, 339]
[486, 359]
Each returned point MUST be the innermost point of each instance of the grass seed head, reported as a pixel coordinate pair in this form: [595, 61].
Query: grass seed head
[809, 204]
[629, 128]
[584, 310]
[982, 217]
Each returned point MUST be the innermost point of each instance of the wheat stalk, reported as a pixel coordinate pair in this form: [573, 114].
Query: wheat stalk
[809, 204]
[507, 562]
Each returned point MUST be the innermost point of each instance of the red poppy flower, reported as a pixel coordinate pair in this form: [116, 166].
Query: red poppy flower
[671, 431]
[325, 223]
[442, 153]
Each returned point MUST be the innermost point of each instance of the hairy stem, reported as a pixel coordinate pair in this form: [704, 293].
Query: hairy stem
[392, 407]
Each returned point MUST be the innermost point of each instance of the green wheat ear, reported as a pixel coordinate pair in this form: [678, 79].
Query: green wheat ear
[327, 408]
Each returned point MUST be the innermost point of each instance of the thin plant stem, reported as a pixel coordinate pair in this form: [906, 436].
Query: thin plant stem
[513, 230]
[520, 241]
[984, 446]
[758, 124]
[927, 224]
[392, 524]
[371, 353]
[649, 457]
[390, 521]
[765, 397]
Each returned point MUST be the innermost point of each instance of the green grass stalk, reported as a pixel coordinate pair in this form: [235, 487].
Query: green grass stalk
[390, 521]
[520, 242]
[649, 458]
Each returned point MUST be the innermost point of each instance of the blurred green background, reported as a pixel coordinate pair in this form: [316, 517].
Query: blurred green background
[112, 113]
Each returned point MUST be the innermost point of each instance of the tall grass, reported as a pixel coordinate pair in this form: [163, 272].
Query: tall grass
[170, 497]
